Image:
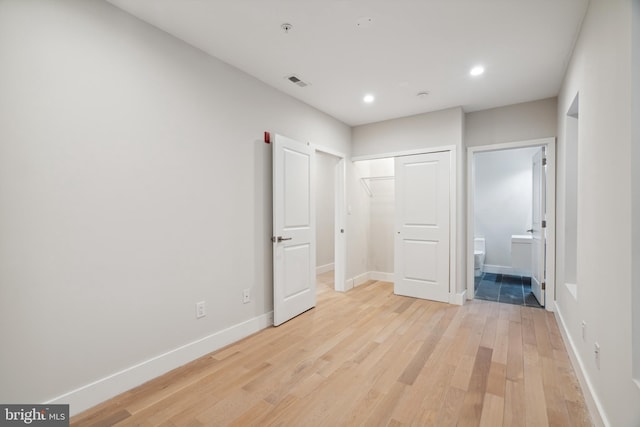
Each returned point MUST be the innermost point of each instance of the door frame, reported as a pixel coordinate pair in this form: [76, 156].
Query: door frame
[340, 217]
[550, 144]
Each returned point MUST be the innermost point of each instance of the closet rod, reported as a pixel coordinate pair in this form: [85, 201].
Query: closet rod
[366, 186]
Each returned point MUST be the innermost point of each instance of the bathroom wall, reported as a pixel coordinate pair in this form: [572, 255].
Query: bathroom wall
[502, 202]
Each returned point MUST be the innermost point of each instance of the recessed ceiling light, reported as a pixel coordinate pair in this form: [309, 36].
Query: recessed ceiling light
[477, 70]
[368, 98]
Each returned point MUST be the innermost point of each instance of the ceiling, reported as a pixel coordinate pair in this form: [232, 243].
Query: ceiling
[393, 50]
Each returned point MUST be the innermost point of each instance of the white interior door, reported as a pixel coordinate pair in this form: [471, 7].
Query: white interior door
[294, 257]
[538, 227]
[422, 226]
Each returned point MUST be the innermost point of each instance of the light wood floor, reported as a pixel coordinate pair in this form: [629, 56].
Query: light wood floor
[369, 357]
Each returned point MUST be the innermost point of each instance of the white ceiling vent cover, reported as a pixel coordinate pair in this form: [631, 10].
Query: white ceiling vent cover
[295, 79]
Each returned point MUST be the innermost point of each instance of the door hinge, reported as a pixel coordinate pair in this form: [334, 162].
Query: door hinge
[544, 286]
[544, 223]
[544, 161]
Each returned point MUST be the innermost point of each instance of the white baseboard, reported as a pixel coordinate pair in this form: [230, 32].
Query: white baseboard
[503, 269]
[105, 388]
[459, 298]
[360, 279]
[348, 284]
[496, 269]
[593, 403]
[369, 275]
[324, 268]
[381, 276]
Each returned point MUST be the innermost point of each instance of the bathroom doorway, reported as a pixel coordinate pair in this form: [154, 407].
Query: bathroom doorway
[510, 228]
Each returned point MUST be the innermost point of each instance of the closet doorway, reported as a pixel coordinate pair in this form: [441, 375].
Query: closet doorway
[377, 179]
[329, 177]
[410, 214]
[325, 221]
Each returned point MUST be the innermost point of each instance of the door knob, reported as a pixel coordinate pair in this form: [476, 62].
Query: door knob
[281, 239]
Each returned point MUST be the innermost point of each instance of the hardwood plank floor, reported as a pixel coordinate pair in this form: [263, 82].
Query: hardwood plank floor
[369, 357]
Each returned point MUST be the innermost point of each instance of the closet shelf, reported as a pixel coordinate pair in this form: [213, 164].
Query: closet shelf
[367, 179]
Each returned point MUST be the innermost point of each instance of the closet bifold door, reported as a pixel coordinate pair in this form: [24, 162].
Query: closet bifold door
[422, 222]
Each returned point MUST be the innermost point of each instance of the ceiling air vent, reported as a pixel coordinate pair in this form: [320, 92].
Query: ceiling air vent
[294, 79]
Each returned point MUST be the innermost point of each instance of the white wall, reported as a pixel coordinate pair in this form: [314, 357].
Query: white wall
[600, 70]
[325, 201]
[570, 201]
[408, 133]
[502, 200]
[133, 183]
[635, 187]
[519, 122]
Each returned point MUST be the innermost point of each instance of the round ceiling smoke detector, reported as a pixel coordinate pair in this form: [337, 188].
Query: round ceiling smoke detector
[286, 27]
[422, 95]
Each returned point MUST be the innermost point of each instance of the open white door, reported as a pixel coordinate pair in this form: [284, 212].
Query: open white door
[538, 225]
[422, 226]
[294, 249]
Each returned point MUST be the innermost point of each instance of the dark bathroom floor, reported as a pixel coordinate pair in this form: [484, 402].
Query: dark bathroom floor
[505, 288]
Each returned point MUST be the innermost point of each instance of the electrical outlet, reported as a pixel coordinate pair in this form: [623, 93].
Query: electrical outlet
[584, 332]
[201, 309]
[246, 296]
[596, 354]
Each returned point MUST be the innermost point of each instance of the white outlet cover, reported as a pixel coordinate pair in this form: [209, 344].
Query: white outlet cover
[201, 310]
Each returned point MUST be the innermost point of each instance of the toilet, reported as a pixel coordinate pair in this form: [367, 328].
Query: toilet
[478, 256]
